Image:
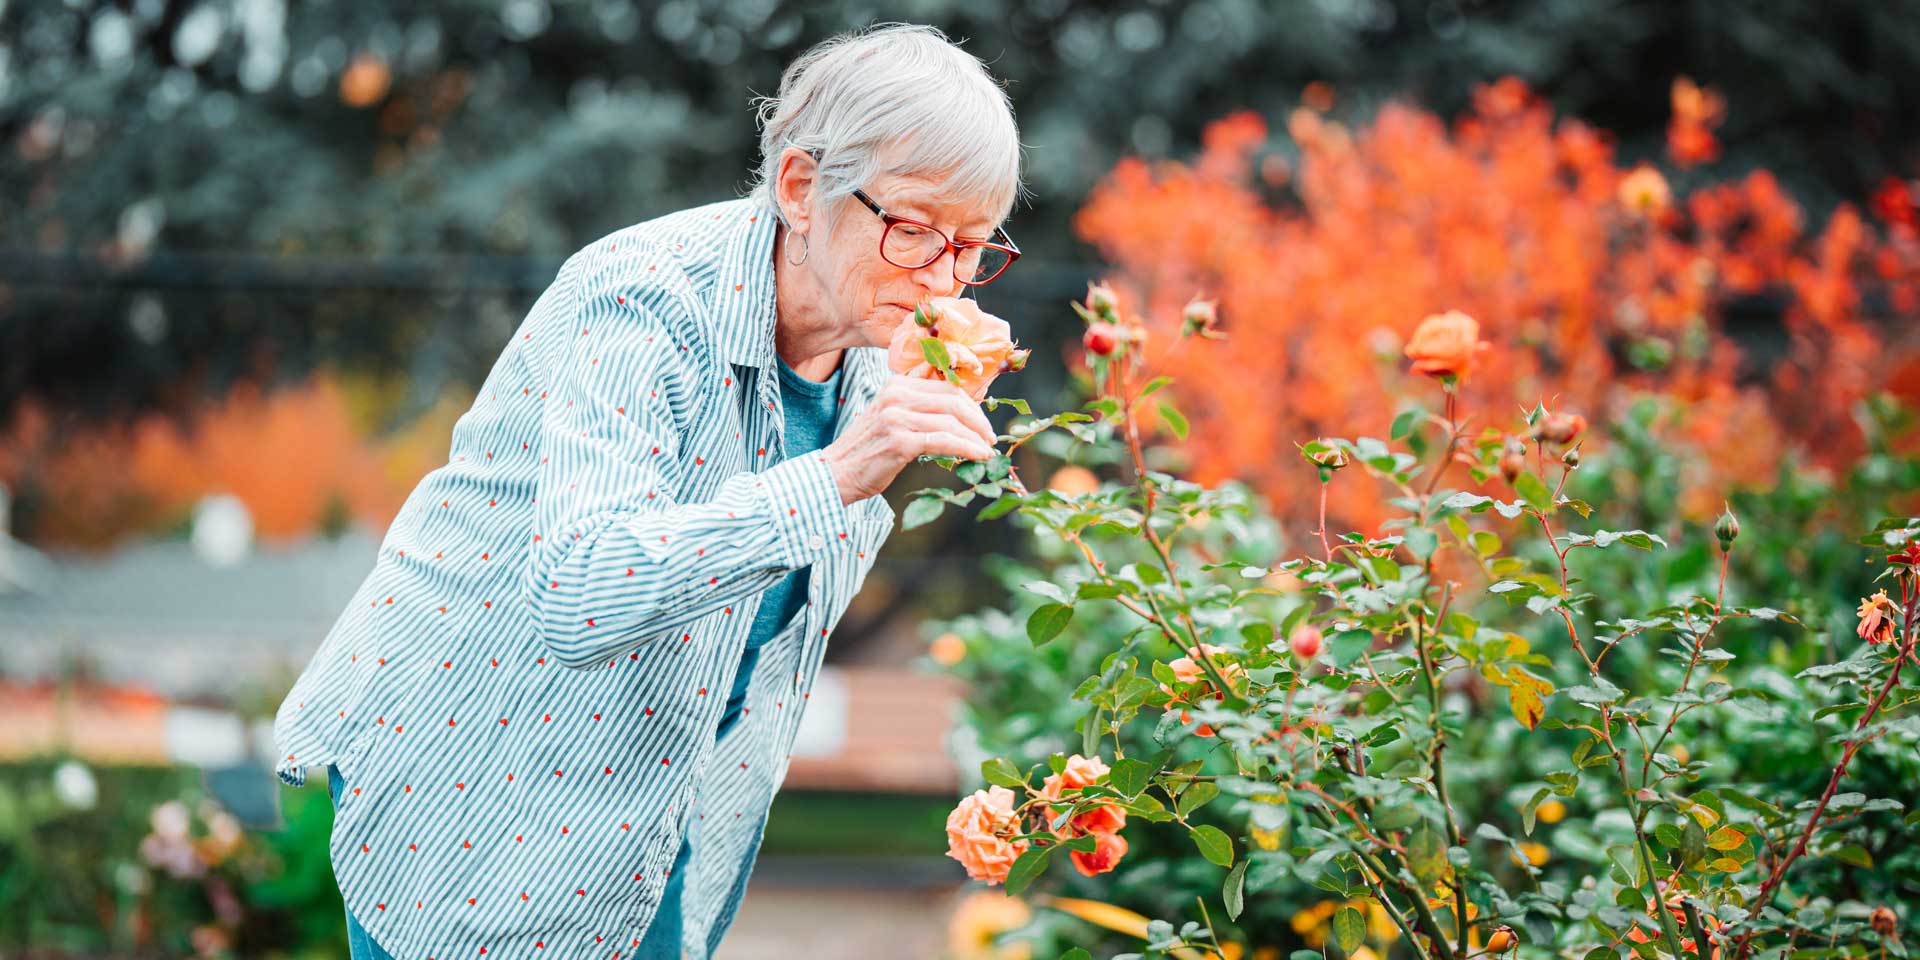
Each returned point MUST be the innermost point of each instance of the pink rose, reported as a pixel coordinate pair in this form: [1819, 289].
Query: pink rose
[979, 832]
[977, 345]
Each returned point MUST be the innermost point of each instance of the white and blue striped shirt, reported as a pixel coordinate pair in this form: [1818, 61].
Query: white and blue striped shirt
[524, 693]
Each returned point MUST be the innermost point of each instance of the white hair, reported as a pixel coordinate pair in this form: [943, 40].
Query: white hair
[893, 99]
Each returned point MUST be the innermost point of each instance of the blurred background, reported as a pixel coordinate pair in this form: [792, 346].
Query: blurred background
[256, 255]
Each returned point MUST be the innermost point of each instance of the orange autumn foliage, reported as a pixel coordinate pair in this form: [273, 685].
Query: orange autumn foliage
[1589, 279]
[296, 456]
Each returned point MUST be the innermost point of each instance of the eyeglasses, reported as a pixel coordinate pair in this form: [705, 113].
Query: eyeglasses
[911, 244]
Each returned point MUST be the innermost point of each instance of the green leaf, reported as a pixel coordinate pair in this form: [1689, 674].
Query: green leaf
[1031, 864]
[1046, 622]
[1533, 491]
[999, 508]
[1404, 423]
[973, 471]
[1001, 773]
[1175, 420]
[922, 511]
[936, 353]
[1130, 776]
[1348, 645]
[1154, 384]
[1077, 953]
[1427, 853]
[1855, 855]
[1214, 844]
[1349, 929]
[1234, 890]
[1196, 797]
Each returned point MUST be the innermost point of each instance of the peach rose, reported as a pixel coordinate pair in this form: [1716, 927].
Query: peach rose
[1445, 344]
[1187, 670]
[976, 342]
[1108, 848]
[1081, 772]
[979, 832]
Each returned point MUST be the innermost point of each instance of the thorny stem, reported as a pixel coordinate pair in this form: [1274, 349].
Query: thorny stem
[1767, 889]
[1436, 754]
[1327, 550]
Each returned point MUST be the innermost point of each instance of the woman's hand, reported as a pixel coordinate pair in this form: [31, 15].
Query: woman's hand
[907, 419]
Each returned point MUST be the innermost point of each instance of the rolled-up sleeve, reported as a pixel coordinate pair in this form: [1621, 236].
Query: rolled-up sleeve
[617, 558]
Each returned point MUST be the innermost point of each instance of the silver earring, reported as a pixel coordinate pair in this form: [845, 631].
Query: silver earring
[803, 249]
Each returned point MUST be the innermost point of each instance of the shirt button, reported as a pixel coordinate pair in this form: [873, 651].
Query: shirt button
[815, 542]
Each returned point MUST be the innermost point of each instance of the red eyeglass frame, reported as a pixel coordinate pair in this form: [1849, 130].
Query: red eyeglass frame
[1006, 246]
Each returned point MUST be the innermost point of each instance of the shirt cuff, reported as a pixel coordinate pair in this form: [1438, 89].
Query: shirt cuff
[809, 518]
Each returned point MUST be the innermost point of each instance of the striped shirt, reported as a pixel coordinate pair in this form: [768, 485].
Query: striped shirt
[524, 693]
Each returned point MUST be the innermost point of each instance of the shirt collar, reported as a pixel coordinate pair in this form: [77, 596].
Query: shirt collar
[743, 303]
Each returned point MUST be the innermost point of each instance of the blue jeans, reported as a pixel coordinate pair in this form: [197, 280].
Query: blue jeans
[663, 937]
[359, 945]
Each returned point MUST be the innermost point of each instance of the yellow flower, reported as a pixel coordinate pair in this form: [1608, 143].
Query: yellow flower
[1311, 923]
[1265, 839]
[1536, 853]
[1553, 811]
[981, 917]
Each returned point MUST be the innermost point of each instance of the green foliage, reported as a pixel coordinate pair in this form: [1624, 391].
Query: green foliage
[1543, 705]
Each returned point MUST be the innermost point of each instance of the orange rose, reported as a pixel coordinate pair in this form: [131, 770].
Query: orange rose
[1108, 848]
[976, 341]
[1878, 618]
[1188, 671]
[1082, 772]
[979, 832]
[1446, 344]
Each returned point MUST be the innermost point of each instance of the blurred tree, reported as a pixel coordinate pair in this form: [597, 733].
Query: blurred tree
[201, 190]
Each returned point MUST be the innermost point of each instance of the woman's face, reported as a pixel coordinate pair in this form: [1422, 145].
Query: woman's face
[861, 287]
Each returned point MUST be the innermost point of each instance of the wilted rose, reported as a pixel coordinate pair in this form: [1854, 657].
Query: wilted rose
[1883, 921]
[1879, 618]
[979, 832]
[1445, 345]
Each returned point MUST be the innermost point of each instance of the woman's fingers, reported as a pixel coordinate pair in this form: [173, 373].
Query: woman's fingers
[925, 427]
[938, 396]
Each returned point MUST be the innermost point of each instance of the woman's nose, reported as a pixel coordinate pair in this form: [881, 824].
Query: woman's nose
[937, 277]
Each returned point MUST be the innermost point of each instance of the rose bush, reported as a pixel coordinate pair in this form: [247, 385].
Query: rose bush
[1391, 718]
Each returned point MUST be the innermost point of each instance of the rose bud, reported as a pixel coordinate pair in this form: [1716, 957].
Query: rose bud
[1572, 457]
[1883, 921]
[1513, 459]
[923, 315]
[1017, 360]
[1102, 300]
[1101, 339]
[1559, 428]
[1727, 528]
[1305, 641]
[1501, 940]
[1201, 317]
[1330, 458]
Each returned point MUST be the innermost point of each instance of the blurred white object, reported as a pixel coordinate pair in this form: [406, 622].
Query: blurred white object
[222, 530]
[73, 783]
[823, 728]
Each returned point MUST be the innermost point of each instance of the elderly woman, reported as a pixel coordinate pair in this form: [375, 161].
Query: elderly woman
[557, 711]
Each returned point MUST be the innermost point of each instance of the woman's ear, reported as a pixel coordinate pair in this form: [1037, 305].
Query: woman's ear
[793, 187]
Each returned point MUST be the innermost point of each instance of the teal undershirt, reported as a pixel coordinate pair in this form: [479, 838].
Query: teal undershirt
[810, 411]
